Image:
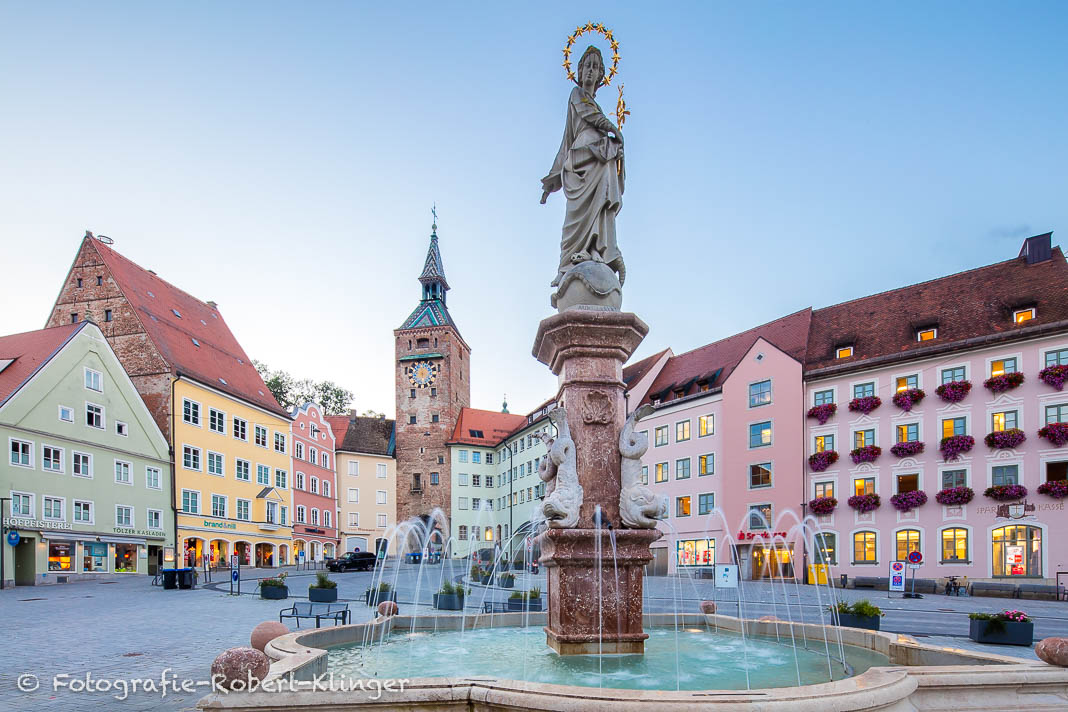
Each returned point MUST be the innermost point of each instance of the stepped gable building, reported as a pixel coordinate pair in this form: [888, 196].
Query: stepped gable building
[229, 437]
[315, 510]
[366, 479]
[433, 384]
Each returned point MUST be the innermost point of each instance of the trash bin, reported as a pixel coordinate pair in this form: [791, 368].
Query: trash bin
[170, 578]
[185, 578]
[817, 573]
[844, 580]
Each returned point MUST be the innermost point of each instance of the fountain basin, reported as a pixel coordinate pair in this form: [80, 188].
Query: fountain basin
[918, 677]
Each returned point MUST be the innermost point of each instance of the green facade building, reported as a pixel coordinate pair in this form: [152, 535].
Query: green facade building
[87, 472]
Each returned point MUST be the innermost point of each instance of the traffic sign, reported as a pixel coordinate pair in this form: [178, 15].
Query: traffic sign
[915, 557]
[235, 576]
[897, 576]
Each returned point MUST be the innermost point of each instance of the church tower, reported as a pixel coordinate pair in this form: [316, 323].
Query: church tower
[433, 382]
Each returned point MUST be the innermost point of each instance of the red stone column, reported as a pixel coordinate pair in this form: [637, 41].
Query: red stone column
[587, 350]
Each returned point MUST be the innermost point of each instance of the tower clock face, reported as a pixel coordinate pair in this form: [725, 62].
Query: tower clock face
[422, 374]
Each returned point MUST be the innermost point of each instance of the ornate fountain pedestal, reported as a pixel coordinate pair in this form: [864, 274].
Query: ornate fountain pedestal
[593, 611]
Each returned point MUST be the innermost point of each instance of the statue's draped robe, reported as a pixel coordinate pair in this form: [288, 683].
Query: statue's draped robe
[589, 167]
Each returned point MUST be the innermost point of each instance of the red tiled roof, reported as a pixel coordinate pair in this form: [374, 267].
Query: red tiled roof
[978, 302]
[30, 350]
[494, 426]
[636, 371]
[198, 343]
[789, 333]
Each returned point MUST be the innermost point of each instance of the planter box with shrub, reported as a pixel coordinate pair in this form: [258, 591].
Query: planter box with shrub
[274, 589]
[323, 590]
[860, 614]
[383, 593]
[1005, 628]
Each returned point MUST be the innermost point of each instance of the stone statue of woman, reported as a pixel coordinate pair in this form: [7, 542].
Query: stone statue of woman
[589, 168]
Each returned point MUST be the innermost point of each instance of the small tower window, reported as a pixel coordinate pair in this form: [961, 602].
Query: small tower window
[107, 315]
[99, 281]
[422, 344]
[79, 283]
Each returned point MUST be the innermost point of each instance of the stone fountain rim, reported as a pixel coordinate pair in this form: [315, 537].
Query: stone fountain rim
[297, 654]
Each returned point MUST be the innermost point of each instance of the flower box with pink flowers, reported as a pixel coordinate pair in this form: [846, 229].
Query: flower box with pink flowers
[823, 412]
[908, 501]
[951, 496]
[907, 449]
[1054, 376]
[866, 404]
[820, 461]
[1005, 493]
[956, 445]
[908, 398]
[1005, 628]
[954, 391]
[1056, 433]
[822, 506]
[1005, 439]
[868, 453]
[865, 502]
[1004, 382]
[1057, 489]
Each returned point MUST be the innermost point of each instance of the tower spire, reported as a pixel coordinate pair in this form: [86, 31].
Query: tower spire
[431, 309]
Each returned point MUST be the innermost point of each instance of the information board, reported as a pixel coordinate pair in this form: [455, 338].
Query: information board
[726, 576]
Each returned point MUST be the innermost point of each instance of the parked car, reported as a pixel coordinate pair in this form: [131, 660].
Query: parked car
[353, 560]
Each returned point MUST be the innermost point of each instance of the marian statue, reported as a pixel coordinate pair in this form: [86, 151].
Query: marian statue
[589, 168]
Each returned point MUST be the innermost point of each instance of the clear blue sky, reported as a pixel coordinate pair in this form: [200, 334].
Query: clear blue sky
[282, 158]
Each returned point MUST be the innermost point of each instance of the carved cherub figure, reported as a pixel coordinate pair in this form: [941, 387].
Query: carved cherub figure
[639, 508]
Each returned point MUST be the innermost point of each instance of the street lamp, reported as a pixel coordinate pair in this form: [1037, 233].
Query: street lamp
[511, 488]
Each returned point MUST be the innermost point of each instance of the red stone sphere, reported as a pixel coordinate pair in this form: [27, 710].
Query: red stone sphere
[1053, 651]
[388, 608]
[266, 632]
[708, 607]
[236, 666]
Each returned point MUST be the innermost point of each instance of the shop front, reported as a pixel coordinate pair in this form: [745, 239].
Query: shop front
[697, 555]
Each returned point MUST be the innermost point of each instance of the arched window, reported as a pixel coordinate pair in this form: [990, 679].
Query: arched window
[954, 545]
[1017, 551]
[326, 488]
[489, 533]
[314, 485]
[907, 540]
[300, 481]
[315, 516]
[864, 548]
[326, 518]
[301, 514]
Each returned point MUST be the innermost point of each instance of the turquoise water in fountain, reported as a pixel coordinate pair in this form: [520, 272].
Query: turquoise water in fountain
[707, 660]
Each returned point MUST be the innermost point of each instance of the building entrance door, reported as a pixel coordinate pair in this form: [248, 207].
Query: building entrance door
[773, 562]
[25, 564]
[155, 558]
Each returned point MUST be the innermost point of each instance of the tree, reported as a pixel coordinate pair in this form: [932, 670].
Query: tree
[372, 414]
[290, 392]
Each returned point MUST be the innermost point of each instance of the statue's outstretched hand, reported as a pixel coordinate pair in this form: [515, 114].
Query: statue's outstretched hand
[544, 197]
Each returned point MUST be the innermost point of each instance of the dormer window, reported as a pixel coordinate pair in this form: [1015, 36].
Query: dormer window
[928, 334]
[843, 352]
[1021, 315]
[680, 393]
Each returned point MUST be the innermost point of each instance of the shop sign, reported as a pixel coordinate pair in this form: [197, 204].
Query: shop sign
[153, 533]
[743, 536]
[36, 524]
[13, 538]
[1020, 510]
[1014, 560]
[220, 525]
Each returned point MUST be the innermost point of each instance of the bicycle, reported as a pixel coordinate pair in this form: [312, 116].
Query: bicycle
[953, 587]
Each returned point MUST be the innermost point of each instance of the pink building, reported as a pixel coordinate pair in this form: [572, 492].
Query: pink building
[732, 431]
[315, 509]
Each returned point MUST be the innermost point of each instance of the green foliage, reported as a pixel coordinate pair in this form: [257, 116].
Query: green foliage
[507, 579]
[996, 621]
[289, 391]
[448, 589]
[384, 587]
[476, 571]
[518, 595]
[863, 608]
[279, 580]
[323, 581]
[535, 592]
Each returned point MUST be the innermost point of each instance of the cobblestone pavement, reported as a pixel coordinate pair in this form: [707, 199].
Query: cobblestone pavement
[127, 629]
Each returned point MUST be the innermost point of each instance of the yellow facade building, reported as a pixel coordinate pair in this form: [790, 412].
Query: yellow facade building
[366, 480]
[233, 487]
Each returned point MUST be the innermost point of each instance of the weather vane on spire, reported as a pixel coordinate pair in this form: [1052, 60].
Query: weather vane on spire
[434, 212]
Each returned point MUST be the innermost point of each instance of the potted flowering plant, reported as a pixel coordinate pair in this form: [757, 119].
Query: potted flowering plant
[1058, 489]
[823, 412]
[1056, 433]
[865, 404]
[1004, 382]
[865, 502]
[859, 614]
[954, 391]
[449, 597]
[506, 580]
[908, 398]
[322, 590]
[907, 448]
[1054, 376]
[868, 453]
[1005, 439]
[955, 495]
[1005, 628]
[907, 501]
[820, 461]
[955, 445]
[1005, 493]
[822, 506]
[274, 588]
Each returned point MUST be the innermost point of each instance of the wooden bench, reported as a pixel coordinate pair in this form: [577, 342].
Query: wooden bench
[1039, 591]
[338, 612]
[876, 582]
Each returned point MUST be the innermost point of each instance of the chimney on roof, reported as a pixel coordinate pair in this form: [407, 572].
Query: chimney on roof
[213, 305]
[1037, 249]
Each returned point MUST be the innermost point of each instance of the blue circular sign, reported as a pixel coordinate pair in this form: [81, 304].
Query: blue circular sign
[915, 557]
[235, 576]
[13, 538]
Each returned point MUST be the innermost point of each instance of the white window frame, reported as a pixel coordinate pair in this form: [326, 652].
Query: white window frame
[148, 479]
[129, 473]
[32, 507]
[234, 420]
[62, 459]
[354, 519]
[278, 435]
[133, 520]
[32, 451]
[225, 505]
[248, 510]
[349, 495]
[383, 521]
[298, 480]
[256, 429]
[103, 416]
[97, 376]
[181, 502]
[1015, 314]
[354, 468]
[200, 412]
[924, 331]
[381, 471]
[222, 463]
[302, 514]
[267, 480]
[380, 497]
[159, 517]
[200, 458]
[237, 470]
[73, 470]
[222, 414]
[92, 512]
[67, 408]
[122, 429]
[62, 506]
